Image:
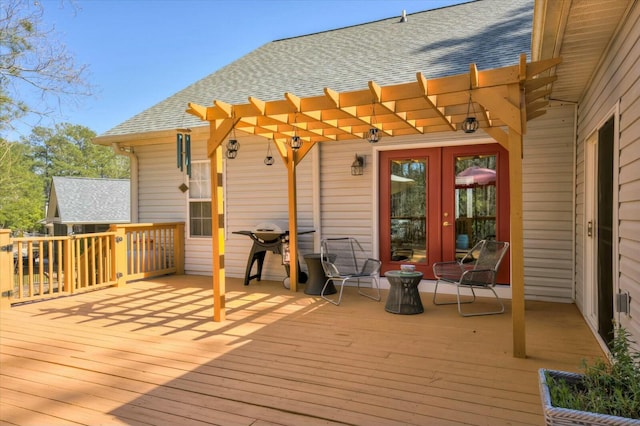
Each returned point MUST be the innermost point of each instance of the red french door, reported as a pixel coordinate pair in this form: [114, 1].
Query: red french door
[436, 203]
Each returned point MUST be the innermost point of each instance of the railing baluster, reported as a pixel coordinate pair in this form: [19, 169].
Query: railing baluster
[53, 266]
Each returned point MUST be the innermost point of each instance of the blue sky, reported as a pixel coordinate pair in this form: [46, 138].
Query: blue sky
[141, 52]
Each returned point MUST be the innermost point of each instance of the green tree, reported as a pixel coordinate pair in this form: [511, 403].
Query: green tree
[27, 168]
[21, 195]
[67, 150]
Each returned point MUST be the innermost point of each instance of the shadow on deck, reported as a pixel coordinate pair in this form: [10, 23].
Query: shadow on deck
[151, 354]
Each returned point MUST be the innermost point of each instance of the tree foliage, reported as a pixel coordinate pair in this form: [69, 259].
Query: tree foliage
[21, 194]
[36, 70]
[29, 165]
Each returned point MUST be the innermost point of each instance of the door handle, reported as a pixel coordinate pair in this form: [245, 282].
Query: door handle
[446, 224]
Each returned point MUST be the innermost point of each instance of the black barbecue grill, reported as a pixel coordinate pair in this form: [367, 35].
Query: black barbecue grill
[274, 237]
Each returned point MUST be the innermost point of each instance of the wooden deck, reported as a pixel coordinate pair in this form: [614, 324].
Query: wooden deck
[150, 354]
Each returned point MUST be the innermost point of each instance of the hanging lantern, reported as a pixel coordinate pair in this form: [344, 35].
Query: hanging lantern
[470, 124]
[296, 142]
[268, 160]
[374, 133]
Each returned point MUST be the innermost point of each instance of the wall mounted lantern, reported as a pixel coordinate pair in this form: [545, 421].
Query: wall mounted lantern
[357, 167]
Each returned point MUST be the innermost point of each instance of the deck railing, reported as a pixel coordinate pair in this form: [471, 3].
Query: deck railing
[35, 268]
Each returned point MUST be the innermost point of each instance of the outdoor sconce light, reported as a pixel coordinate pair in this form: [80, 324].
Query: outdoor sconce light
[268, 160]
[357, 167]
[470, 124]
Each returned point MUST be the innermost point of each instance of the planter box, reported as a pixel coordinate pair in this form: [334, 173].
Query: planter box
[565, 417]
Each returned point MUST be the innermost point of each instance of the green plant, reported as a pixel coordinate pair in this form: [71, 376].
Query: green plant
[611, 388]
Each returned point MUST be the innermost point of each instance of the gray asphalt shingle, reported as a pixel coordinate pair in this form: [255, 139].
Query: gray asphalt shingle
[440, 42]
[87, 200]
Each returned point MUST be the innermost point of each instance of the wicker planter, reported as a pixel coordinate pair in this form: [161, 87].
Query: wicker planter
[565, 417]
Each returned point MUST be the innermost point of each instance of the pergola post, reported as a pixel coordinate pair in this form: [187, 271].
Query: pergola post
[217, 236]
[293, 219]
[517, 246]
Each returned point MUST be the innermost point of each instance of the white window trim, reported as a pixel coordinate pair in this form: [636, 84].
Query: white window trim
[188, 204]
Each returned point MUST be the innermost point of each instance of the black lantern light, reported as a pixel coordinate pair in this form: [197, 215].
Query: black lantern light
[470, 124]
[374, 133]
[232, 148]
[357, 167]
[233, 145]
[268, 160]
[296, 141]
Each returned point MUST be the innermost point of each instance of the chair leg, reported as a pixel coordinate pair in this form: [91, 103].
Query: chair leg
[435, 292]
[335, 302]
[500, 311]
[377, 297]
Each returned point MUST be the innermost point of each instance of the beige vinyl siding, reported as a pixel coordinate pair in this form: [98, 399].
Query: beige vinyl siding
[347, 201]
[548, 205]
[258, 193]
[618, 80]
[161, 200]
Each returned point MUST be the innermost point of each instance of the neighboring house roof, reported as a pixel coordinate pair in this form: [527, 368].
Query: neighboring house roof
[437, 43]
[86, 200]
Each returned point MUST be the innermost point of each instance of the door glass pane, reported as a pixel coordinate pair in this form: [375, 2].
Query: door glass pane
[475, 200]
[408, 207]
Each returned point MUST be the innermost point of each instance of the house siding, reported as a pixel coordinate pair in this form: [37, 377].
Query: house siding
[547, 175]
[617, 81]
[347, 205]
[161, 200]
[256, 193]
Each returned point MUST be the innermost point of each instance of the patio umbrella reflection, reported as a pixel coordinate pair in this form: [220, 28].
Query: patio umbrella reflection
[472, 176]
[400, 183]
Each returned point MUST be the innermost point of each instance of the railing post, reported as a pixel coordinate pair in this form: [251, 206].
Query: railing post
[69, 265]
[120, 247]
[6, 268]
[178, 243]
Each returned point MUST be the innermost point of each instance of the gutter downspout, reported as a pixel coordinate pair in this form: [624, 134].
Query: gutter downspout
[133, 171]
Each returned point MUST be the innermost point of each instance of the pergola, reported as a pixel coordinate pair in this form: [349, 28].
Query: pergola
[504, 99]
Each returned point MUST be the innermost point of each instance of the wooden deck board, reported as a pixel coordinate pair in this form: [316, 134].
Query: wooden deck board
[151, 354]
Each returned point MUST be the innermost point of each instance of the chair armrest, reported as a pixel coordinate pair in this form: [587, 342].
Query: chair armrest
[479, 277]
[450, 270]
[371, 267]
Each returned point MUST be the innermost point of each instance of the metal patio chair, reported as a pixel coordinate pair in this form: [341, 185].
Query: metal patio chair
[476, 270]
[343, 259]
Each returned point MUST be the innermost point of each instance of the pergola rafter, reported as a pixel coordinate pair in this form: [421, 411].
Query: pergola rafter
[418, 107]
[503, 100]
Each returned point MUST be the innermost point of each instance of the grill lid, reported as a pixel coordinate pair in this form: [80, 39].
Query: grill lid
[269, 231]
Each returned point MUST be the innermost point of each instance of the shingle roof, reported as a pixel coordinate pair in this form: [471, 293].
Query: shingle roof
[440, 42]
[86, 200]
